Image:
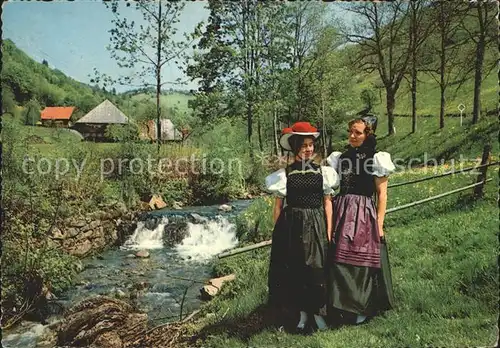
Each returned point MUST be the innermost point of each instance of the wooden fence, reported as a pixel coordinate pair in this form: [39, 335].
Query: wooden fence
[478, 186]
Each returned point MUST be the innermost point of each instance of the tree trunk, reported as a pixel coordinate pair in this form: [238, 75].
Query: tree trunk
[478, 79]
[442, 104]
[442, 83]
[158, 80]
[324, 125]
[413, 38]
[249, 124]
[275, 129]
[414, 98]
[259, 131]
[391, 103]
[330, 145]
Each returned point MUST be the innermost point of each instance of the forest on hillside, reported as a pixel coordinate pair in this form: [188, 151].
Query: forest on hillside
[264, 65]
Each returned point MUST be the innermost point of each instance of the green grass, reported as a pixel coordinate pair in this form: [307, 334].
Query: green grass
[429, 95]
[172, 100]
[429, 142]
[443, 259]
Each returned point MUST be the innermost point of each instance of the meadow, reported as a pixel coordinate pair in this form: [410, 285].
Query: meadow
[443, 259]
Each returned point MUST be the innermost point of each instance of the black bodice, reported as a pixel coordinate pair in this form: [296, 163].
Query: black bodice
[356, 176]
[304, 185]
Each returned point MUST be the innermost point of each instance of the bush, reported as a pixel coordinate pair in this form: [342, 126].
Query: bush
[218, 178]
[256, 223]
[119, 132]
[176, 190]
[28, 272]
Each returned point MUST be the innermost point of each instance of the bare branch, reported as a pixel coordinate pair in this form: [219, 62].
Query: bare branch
[136, 46]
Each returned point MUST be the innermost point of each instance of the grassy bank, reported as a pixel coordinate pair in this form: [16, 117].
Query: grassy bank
[443, 258]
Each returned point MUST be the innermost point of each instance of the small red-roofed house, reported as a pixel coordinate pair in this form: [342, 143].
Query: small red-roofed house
[57, 116]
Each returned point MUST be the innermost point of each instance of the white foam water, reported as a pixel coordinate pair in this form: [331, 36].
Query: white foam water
[208, 239]
[143, 238]
[27, 339]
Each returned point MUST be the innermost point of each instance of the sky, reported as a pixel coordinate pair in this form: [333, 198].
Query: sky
[72, 36]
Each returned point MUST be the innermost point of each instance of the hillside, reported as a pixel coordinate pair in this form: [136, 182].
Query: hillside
[24, 79]
[174, 106]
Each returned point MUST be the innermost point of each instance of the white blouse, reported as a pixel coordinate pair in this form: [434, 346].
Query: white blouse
[382, 163]
[276, 182]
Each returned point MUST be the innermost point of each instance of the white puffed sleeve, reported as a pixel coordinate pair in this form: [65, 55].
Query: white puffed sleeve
[276, 183]
[382, 164]
[331, 179]
[333, 160]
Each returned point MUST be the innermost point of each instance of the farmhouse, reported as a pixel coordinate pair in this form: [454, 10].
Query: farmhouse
[57, 116]
[168, 131]
[93, 125]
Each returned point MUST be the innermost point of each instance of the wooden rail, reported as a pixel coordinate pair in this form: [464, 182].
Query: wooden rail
[388, 211]
[441, 175]
[412, 204]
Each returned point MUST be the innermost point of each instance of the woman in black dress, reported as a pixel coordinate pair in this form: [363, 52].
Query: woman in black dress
[359, 273]
[303, 226]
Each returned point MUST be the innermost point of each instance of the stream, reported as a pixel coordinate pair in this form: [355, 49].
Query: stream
[156, 284]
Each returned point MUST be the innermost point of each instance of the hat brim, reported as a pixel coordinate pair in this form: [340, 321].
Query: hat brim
[285, 137]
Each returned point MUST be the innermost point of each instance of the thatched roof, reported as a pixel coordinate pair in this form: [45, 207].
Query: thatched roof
[106, 112]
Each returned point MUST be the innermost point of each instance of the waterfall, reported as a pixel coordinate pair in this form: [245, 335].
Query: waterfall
[144, 238]
[207, 239]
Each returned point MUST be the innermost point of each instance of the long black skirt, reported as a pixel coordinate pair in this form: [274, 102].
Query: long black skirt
[297, 276]
[361, 290]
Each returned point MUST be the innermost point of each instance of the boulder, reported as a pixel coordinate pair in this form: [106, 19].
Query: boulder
[151, 223]
[225, 208]
[156, 202]
[142, 254]
[72, 232]
[177, 205]
[174, 233]
[197, 219]
[58, 234]
[81, 249]
[120, 293]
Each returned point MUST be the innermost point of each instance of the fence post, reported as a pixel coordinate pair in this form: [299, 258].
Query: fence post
[478, 190]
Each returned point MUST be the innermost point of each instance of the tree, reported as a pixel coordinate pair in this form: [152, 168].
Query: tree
[484, 34]
[328, 88]
[44, 62]
[447, 15]
[230, 59]
[32, 112]
[148, 46]
[306, 24]
[379, 32]
[420, 29]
